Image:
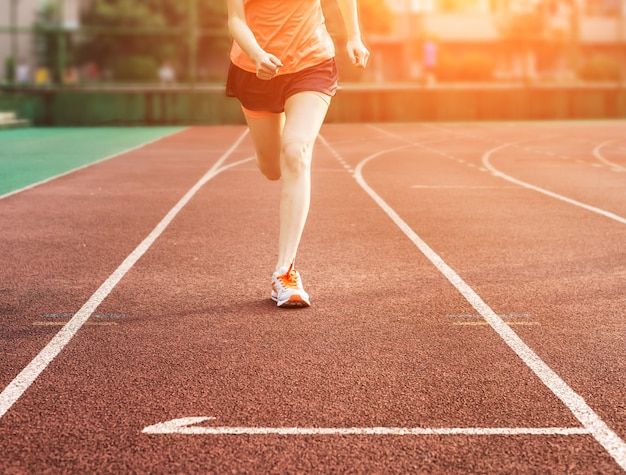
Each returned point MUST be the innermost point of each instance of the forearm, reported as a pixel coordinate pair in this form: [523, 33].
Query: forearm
[243, 36]
[350, 14]
[357, 52]
[266, 64]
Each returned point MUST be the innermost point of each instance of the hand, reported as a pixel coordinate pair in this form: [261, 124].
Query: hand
[267, 66]
[358, 53]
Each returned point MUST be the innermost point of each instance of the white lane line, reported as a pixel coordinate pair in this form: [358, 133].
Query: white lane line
[480, 324]
[486, 162]
[611, 442]
[498, 173]
[602, 158]
[186, 426]
[340, 159]
[461, 187]
[87, 165]
[27, 376]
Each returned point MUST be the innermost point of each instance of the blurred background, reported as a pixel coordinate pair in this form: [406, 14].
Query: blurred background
[121, 41]
[64, 45]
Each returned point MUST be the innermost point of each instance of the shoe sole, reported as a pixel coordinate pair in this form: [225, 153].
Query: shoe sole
[293, 302]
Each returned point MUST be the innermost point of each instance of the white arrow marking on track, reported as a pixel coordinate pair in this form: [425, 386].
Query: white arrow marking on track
[187, 426]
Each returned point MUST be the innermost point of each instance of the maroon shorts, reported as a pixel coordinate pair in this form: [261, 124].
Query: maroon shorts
[270, 95]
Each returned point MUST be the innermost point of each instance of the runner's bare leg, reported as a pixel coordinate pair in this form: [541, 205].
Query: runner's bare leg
[304, 115]
[266, 135]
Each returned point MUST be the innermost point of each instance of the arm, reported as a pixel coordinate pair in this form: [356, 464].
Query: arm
[357, 52]
[266, 64]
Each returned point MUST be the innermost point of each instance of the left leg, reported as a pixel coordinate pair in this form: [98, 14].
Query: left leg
[304, 116]
[265, 132]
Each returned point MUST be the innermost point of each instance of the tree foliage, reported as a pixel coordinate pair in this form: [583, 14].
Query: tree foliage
[523, 21]
[376, 17]
[166, 24]
[46, 39]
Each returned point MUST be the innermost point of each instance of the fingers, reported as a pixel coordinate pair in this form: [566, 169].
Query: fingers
[360, 59]
[358, 54]
[353, 58]
[276, 61]
[268, 67]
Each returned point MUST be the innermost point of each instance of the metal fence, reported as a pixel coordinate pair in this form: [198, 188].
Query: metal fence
[53, 50]
[62, 67]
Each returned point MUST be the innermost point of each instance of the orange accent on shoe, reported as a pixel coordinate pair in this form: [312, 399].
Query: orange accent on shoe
[290, 278]
[287, 288]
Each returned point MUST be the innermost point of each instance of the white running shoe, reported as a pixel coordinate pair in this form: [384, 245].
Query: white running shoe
[287, 288]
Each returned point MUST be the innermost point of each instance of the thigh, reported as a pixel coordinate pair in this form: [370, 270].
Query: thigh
[266, 133]
[304, 115]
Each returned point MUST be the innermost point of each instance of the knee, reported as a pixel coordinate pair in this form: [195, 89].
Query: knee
[272, 175]
[269, 168]
[296, 157]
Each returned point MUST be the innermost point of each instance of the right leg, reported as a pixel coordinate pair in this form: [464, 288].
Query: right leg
[304, 112]
[266, 131]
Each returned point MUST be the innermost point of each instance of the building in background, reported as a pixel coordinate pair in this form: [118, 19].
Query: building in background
[530, 39]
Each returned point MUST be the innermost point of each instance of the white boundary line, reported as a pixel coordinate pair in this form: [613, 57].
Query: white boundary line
[460, 187]
[185, 426]
[487, 156]
[611, 442]
[82, 167]
[485, 160]
[599, 156]
[27, 376]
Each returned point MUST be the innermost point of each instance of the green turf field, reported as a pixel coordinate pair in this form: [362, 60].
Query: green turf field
[32, 155]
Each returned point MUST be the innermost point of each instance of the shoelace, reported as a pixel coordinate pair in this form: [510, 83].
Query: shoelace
[289, 279]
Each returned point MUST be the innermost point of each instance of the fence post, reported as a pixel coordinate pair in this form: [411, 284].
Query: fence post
[14, 26]
[193, 40]
[61, 46]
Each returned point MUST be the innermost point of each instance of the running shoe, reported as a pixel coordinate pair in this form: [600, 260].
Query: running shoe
[287, 288]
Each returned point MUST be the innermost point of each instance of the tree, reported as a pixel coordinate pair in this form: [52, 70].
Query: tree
[521, 26]
[106, 48]
[375, 18]
[166, 26]
[213, 14]
[215, 40]
[48, 38]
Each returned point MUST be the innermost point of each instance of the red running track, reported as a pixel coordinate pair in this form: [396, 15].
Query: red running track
[467, 283]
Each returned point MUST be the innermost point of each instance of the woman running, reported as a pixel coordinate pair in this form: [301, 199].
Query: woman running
[283, 73]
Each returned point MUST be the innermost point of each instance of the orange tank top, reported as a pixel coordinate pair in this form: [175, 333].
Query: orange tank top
[292, 30]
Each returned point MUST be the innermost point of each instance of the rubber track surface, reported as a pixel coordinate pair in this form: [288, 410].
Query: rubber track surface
[389, 342]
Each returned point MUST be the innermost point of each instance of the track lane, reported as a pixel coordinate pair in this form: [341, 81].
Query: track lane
[616, 338]
[538, 156]
[192, 345]
[29, 374]
[93, 217]
[602, 149]
[534, 151]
